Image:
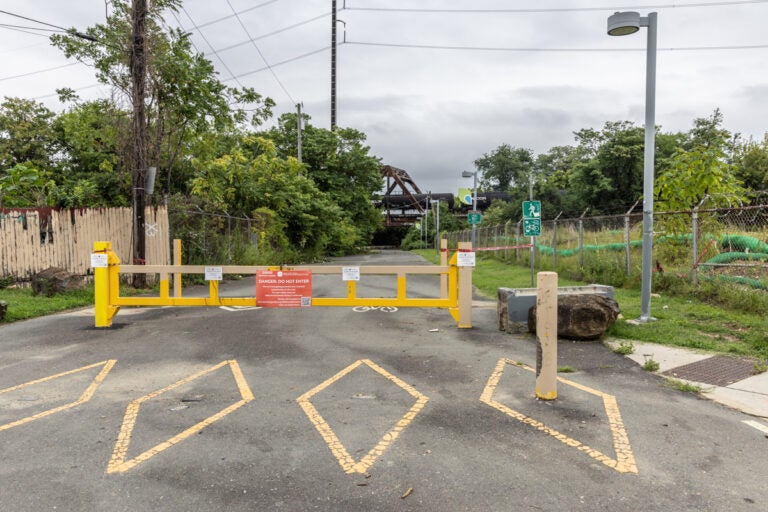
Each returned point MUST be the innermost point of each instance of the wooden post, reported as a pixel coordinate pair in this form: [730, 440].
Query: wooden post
[546, 336]
[443, 263]
[177, 261]
[465, 290]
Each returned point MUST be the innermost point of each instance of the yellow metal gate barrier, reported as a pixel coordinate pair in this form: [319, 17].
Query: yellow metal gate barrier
[455, 295]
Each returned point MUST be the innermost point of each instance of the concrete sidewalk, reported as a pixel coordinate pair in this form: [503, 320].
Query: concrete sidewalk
[748, 395]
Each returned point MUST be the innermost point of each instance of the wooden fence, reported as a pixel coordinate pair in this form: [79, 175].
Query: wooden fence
[33, 239]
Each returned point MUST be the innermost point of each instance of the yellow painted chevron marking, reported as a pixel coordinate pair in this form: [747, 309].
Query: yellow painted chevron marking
[119, 464]
[84, 397]
[625, 459]
[347, 463]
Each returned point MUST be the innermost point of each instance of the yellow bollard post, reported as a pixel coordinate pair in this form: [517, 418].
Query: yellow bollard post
[546, 336]
[103, 260]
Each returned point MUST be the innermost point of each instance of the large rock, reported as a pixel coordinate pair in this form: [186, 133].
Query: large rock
[581, 317]
[55, 280]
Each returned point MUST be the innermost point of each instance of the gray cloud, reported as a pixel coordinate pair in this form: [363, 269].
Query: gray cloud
[433, 112]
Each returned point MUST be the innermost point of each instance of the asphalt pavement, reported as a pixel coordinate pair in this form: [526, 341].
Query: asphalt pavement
[338, 409]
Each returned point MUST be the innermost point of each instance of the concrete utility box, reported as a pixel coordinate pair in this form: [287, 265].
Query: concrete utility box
[514, 303]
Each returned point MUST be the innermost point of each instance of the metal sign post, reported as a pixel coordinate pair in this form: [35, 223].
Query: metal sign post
[532, 227]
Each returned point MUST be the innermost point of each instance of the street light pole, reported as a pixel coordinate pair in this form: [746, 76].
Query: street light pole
[620, 24]
[473, 175]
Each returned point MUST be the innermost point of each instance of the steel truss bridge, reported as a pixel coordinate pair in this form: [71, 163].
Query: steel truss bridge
[403, 203]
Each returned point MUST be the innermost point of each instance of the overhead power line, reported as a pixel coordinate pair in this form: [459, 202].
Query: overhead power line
[10, 27]
[208, 43]
[263, 4]
[69, 30]
[253, 42]
[556, 9]
[6, 25]
[552, 50]
[39, 71]
[286, 61]
[274, 32]
[33, 20]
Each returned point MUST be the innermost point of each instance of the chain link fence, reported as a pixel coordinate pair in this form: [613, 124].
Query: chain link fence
[214, 238]
[729, 244]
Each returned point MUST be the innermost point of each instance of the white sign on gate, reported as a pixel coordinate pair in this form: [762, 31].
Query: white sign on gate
[350, 273]
[214, 274]
[99, 260]
[465, 259]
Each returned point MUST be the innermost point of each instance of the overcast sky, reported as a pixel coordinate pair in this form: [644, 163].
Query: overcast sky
[433, 111]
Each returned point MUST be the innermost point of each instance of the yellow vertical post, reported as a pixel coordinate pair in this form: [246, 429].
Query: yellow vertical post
[443, 263]
[213, 293]
[177, 261]
[351, 289]
[546, 336]
[401, 286]
[465, 289]
[164, 288]
[103, 282]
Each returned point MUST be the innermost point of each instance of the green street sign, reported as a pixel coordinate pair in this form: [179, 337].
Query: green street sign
[532, 210]
[531, 227]
[474, 217]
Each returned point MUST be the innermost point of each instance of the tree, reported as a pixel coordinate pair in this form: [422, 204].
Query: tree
[700, 169]
[184, 96]
[505, 168]
[751, 164]
[26, 135]
[695, 174]
[554, 175]
[610, 177]
[168, 89]
[608, 172]
[707, 132]
[340, 165]
[23, 186]
[92, 135]
[259, 182]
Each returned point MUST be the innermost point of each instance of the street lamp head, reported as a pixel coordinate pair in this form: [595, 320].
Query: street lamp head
[623, 23]
[467, 174]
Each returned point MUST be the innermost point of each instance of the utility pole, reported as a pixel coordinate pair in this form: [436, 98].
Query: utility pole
[298, 137]
[138, 66]
[333, 65]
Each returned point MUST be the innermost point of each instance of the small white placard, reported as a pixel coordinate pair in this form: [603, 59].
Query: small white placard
[465, 259]
[99, 260]
[213, 273]
[350, 273]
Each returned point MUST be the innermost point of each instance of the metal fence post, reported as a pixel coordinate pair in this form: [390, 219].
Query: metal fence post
[695, 241]
[506, 240]
[554, 239]
[626, 237]
[581, 238]
[229, 239]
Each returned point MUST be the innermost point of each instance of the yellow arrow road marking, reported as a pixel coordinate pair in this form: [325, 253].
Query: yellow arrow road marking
[118, 462]
[87, 394]
[625, 459]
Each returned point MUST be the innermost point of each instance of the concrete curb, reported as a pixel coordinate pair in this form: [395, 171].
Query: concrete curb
[749, 396]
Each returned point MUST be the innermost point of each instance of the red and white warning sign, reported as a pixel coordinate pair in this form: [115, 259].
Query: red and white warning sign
[284, 288]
